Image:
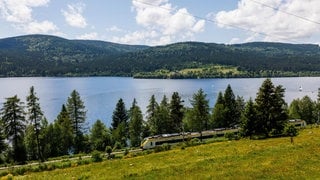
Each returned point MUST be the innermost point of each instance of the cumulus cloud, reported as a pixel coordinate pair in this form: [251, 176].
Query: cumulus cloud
[88, 36]
[19, 13]
[162, 23]
[114, 29]
[277, 24]
[73, 15]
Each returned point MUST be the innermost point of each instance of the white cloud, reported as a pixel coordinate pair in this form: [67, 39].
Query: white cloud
[40, 27]
[162, 23]
[73, 15]
[89, 36]
[114, 29]
[19, 14]
[278, 25]
[19, 11]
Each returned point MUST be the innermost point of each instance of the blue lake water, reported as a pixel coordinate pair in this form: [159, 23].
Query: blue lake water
[100, 94]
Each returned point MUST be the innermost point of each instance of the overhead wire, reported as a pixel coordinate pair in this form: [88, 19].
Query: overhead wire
[235, 26]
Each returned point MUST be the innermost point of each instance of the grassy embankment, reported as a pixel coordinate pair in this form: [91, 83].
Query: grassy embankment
[244, 159]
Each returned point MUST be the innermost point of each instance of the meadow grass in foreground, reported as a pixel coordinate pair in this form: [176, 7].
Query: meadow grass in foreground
[273, 158]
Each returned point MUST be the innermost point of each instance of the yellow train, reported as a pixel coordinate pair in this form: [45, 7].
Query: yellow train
[157, 140]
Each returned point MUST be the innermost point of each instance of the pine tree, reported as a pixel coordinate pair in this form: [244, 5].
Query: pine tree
[119, 123]
[35, 116]
[271, 109]
[176, 113]
[162, 118]
[249, 119]
[3, 145]
[77, 113]
[13, 121]
[151, 113]
[63, 123]
[218, 113]
[232, 117]
[135, 124]
[199, 111]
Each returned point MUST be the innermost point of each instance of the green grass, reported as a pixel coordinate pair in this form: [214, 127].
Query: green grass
[273, 158]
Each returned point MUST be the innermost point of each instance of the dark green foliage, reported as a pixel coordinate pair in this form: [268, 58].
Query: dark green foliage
[39, 55]
[35, 115]
[151, 115]
[96, 156]
[249, 120]
[77, 114]
[100, 136]
[304, 109]
[119, 123]
[13, 121]
[199, 113]
[271, 109]
[162, 122]
[176, 113]
[109, 151]
[135, 124]
[291, 130]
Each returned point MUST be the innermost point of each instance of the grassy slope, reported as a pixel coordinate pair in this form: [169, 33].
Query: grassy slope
[244, 159]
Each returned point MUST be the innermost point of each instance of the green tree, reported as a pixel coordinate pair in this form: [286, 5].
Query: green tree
[31, 143]
[64, 125]
[294, 109]
[100, 136]
[218, 113]
[119, 123]
[271, 108]
[232, 116]
[199, 112]
[151, 114]
[35, 116]
[176, 113]
[3, 145]
[307, 110]
[13, 121]
[77, 113]
[249, 119]
[135, 124]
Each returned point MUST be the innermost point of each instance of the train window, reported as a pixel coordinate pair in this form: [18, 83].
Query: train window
[150, 143]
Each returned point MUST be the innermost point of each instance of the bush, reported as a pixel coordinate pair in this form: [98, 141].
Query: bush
[194, 141]
[117, 145]
[126, 152]
[166, 146]
[109, 151]
[229, 135]
[96, 156]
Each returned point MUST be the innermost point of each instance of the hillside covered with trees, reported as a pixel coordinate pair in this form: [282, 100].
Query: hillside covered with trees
[41, 55]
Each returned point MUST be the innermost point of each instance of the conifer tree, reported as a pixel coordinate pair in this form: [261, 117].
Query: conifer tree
[100, 136]
[119, 123]
[64, 125]
[14, 125]
[249, 122]
[218, 113]
[176, 113]
[135, 124]
[151, 114]
[271, 109]
[199, 111]
[35, 116]
[162, 118]
[77, 114]
[232, 117]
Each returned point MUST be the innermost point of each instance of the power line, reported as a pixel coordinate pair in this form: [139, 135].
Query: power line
[225, 24]
[285, 12]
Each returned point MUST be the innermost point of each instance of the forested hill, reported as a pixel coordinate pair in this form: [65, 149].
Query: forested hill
[42, 55]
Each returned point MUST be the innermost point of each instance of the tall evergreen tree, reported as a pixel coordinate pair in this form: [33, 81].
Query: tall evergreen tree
[13, 121]
[232, 116]
[3, 145]
[35, 116]
[119, 123]
[162, 122]
[218, 113]
[176, 113]
[199, 111]
[271, 108]
[64, 124]
[135, 124]
[151, 114]
[249, 119]
[77, 113]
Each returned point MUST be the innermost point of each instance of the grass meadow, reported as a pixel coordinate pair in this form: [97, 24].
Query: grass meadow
[274, 158]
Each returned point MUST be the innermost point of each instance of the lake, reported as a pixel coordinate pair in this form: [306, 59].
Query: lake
[100, 94]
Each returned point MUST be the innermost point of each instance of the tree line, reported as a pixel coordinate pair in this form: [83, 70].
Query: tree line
[25, 133]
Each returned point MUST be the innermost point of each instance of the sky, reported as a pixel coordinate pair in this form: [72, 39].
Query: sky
[161, 22]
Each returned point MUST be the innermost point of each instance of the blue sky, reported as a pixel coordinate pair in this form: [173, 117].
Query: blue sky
[158, 22]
